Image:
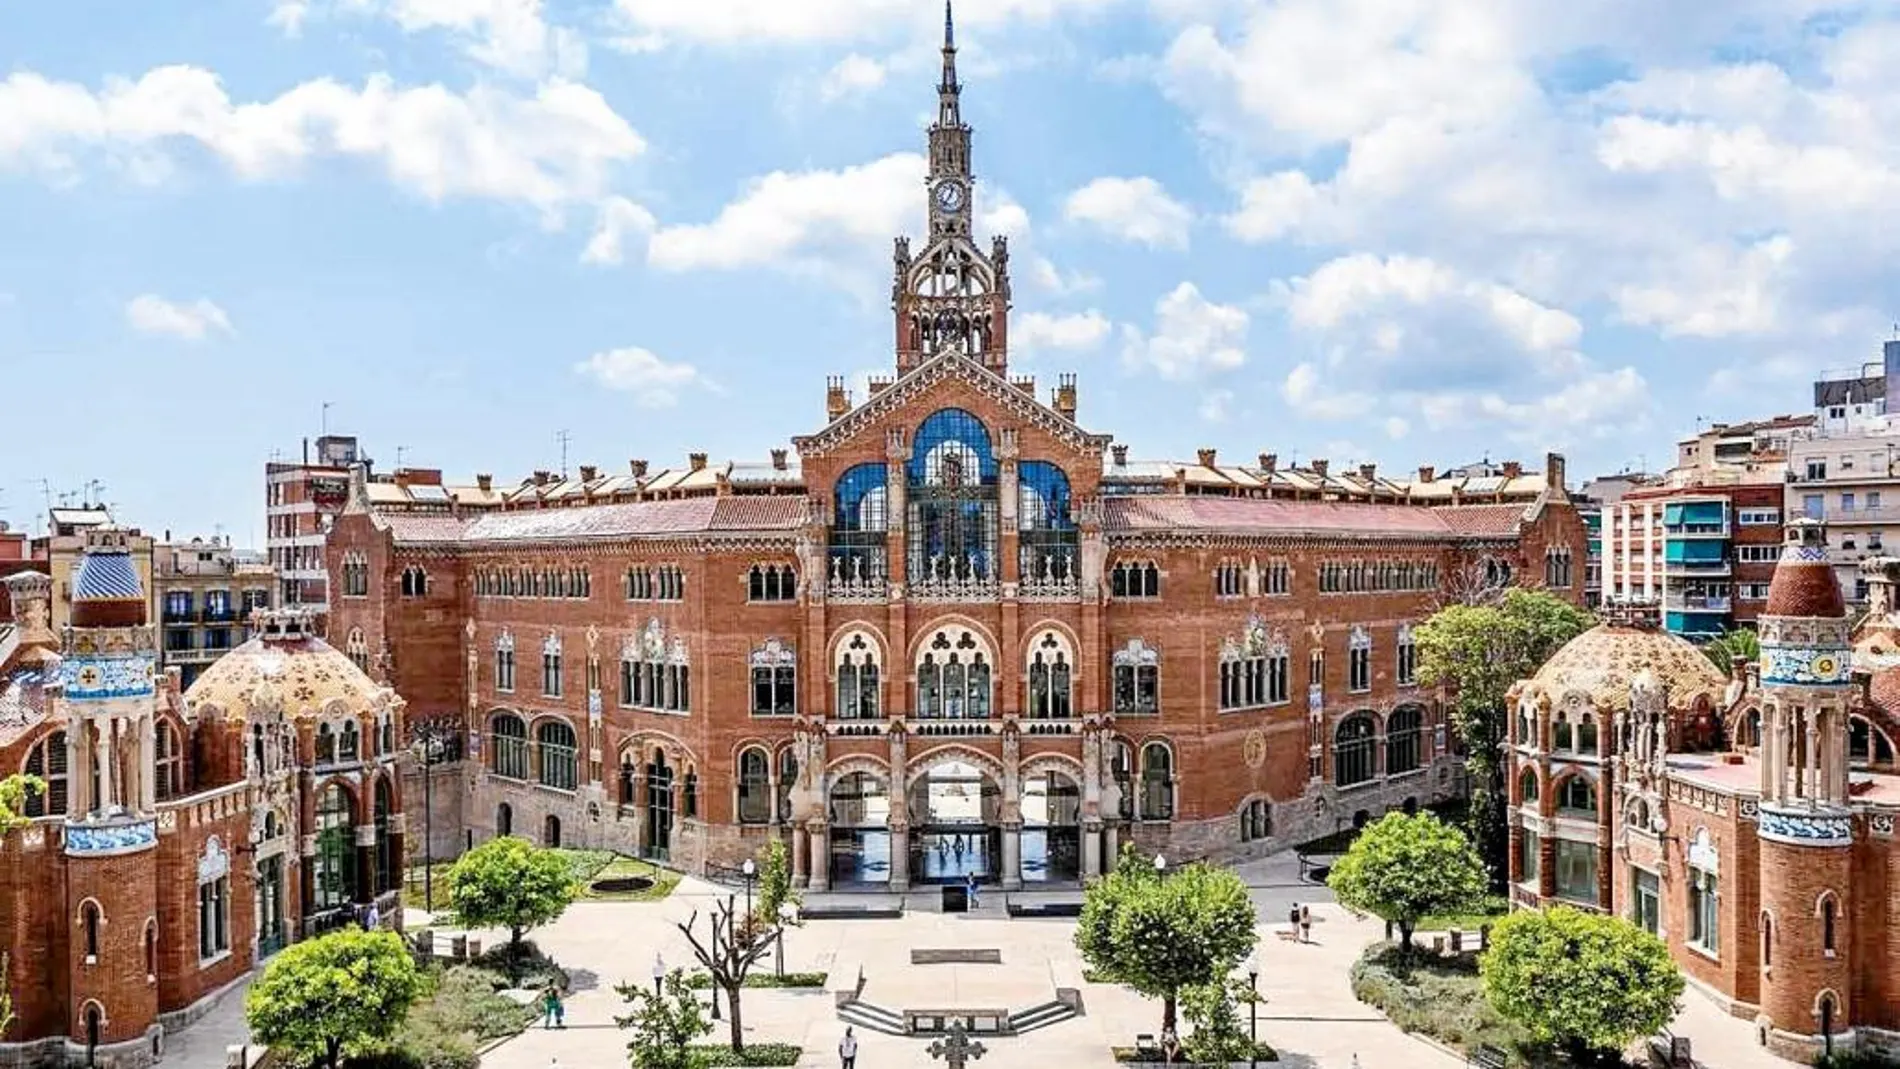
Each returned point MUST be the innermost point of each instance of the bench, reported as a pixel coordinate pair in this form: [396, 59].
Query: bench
[1486, 1056]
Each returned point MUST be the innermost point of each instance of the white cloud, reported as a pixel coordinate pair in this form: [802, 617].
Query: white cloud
[619, 218]
[729, 22]
[1305, 393]
[1039, 331]
[1132, 209]
[852, 75]
[1046, 275]
[149, 313]
[511, 36]
[1716, 293]
[1396, 427]
[653, 382]
[561, 145]
[1216, 406]
[1192, 336]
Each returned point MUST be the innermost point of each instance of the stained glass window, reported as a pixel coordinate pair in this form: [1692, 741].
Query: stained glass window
[953, 514]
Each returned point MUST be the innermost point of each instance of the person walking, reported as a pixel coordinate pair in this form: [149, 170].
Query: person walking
[550, 1006]
[848, 1049]
[1293, 919]
[1306, 924]
[373, 919]
[969, 885]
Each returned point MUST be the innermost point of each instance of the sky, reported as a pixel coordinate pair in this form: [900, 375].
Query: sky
[1395, 231]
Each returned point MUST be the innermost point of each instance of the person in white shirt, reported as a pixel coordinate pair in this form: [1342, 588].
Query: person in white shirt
[848, 1049]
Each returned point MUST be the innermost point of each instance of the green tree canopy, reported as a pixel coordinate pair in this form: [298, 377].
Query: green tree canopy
[1476, 652]
[1588, 982]
[1161, 933]
[510, 883]
[335, 994]
[1403, 868]
[775, 893]
[664, 1026]
[1742, 642]
[14, 791]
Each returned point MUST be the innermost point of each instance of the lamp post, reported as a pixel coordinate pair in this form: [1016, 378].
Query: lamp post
[1253, 1008]
[1161, 865]
[749, 870]
[659, 974]
[428, 748]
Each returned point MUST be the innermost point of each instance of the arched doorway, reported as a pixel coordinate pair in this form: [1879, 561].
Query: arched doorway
[859, 809]
[1052, 827]
[659, 839]
[953, 808]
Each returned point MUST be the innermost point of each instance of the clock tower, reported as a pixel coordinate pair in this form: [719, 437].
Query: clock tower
[951, 297]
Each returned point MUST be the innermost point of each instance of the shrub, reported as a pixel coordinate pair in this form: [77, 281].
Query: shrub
[778, 1054]
[1587, 982]
[1437, 997]
[702, 980]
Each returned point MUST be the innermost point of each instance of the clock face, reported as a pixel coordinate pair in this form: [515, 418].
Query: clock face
[1824, 666]
[949, 196]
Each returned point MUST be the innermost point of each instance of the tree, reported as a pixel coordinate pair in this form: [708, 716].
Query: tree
[733, 945]
[509, 883]
[775, 893]
[1218, 1034]
[1742, 642]
[1588, 982]
[1161, 933]
[1477, 652]
[664, 1026]
[1403, 868]
[337, 993]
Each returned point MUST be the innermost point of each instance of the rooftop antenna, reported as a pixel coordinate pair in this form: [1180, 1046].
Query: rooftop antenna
[324, 422]
[400, 450]
[562, 437]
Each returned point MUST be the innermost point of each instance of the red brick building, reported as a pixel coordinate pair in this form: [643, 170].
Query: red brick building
[179, 840]
[955, 632]
[1748, 818]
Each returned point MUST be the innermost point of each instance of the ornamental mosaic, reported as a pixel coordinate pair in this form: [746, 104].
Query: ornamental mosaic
[103, 678]
[1881, 824]
[1136, 652]
[1806, 828]
[1806, 667]
[86, 839]
[1254, 751]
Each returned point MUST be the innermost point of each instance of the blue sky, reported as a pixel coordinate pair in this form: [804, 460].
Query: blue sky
[1402, 231]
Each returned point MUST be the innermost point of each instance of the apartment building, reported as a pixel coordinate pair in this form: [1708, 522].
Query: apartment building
[302, 500]
[206, 592]
[62, 547]
[1848, 471]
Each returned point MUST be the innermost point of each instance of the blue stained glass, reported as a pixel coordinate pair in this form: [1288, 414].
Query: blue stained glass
[861, 498]
[952, 450]
[1044, 498]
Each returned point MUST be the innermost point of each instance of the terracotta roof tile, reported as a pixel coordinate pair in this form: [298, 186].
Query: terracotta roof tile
[1482, 519]
[687, 516]
[412, 529]
[1163, 513]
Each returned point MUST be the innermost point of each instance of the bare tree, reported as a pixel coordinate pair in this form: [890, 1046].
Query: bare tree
[734, 945]
[1475, 582]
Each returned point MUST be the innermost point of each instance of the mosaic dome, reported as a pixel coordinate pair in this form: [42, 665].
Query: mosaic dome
[303, 673]
[1804, 583]
[1603, 662]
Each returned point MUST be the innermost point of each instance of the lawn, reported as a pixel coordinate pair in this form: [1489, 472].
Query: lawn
[1486, 912]
[1438, 996]
[619, 866]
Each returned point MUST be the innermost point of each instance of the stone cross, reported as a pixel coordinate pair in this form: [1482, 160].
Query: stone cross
[956, 1048]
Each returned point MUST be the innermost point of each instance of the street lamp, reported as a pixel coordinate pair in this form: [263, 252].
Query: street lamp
[1161, 865]
[749, 870]
[1253, 1008]
[659, 973]
[429, 749]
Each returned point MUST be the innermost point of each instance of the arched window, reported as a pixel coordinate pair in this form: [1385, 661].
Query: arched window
[1050, 677]
[1402, 740]
[1866, 744]
[1562, 737]
[1526, 727]
[857, 678]
[774, 679]
[505, 663]
[953, 514]
[326, 745]
[95, 1016]
[1157, 782]
[1047, 534]
[415, 582]
[334, 866]
[1527, 788]
[1828, 910]
[857, 530]
[1121, 767]
[1577, 795]
[1353, 743]
[551, 665]
[755, 789]
[349, 742]
[388, 865]
[551, 832]
[655, 673]
[556, 741]
[504, 819]
[1587, 734]
[1359, 660]
[771, 582]
[508, 747]
[1134, 579]
[48, 761]
[1256, 821]
[91, 920]
[953, 676]
[787, 779]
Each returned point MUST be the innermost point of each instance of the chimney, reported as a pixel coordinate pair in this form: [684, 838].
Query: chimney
[486, 481]
[541, 478]
[697, 461]
[1065, 396]
[1554, 472]
[837, 401]
[1426, 473]
[1319, 467]
[778, 460]
[1206, 457]
[589, 473]
[638, 468]
[1269, 462]
[1512, 469]
[1120, 453]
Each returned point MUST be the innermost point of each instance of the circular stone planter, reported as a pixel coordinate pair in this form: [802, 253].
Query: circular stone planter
[621, 885]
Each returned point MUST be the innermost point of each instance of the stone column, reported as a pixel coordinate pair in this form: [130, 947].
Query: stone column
[1092, 849]
[801, 857]
[102, 754]
[1547, 866]
[365, 863]
[900, 857]
[1012, 857]
[1111, 845]
[78, 786]
[820, 856]
[148, 769]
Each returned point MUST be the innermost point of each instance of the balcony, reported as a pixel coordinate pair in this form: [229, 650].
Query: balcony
[1695, 530]
[1876, 516]
[174, 616]
[220, 614]
[1697, 568]
[1697, 602]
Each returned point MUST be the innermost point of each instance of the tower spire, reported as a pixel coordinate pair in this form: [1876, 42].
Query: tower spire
[949, 49]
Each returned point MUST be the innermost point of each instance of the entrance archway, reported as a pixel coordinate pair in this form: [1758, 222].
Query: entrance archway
[859, 808]
[953, 808]
[1052, 827]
